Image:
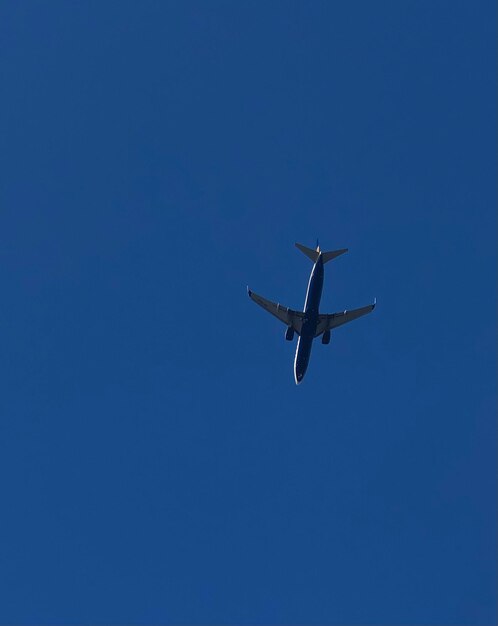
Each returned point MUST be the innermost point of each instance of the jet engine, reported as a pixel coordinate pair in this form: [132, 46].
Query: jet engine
[289, 333]
[326, 337]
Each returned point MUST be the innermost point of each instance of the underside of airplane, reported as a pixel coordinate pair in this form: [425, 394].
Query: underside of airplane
[309, 323]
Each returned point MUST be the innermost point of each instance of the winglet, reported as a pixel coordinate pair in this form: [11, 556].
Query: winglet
[374, 304]
[249, 292]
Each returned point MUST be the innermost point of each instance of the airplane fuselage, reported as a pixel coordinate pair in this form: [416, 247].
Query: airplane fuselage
[308, 330]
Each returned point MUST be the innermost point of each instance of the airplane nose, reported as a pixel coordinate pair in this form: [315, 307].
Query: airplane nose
[299, 377]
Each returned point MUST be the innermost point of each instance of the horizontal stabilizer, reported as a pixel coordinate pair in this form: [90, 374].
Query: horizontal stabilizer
[309, 252]
[328, 256]
[314, 254]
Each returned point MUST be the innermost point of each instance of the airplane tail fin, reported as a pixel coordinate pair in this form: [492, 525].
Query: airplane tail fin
[314, 254]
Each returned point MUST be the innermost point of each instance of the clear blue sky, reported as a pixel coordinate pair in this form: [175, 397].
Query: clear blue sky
[158, 463]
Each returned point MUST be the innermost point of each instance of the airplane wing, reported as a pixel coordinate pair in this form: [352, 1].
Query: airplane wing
[283, 313]
[328, 322]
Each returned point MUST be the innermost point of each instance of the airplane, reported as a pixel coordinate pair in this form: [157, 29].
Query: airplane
[309, 324]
